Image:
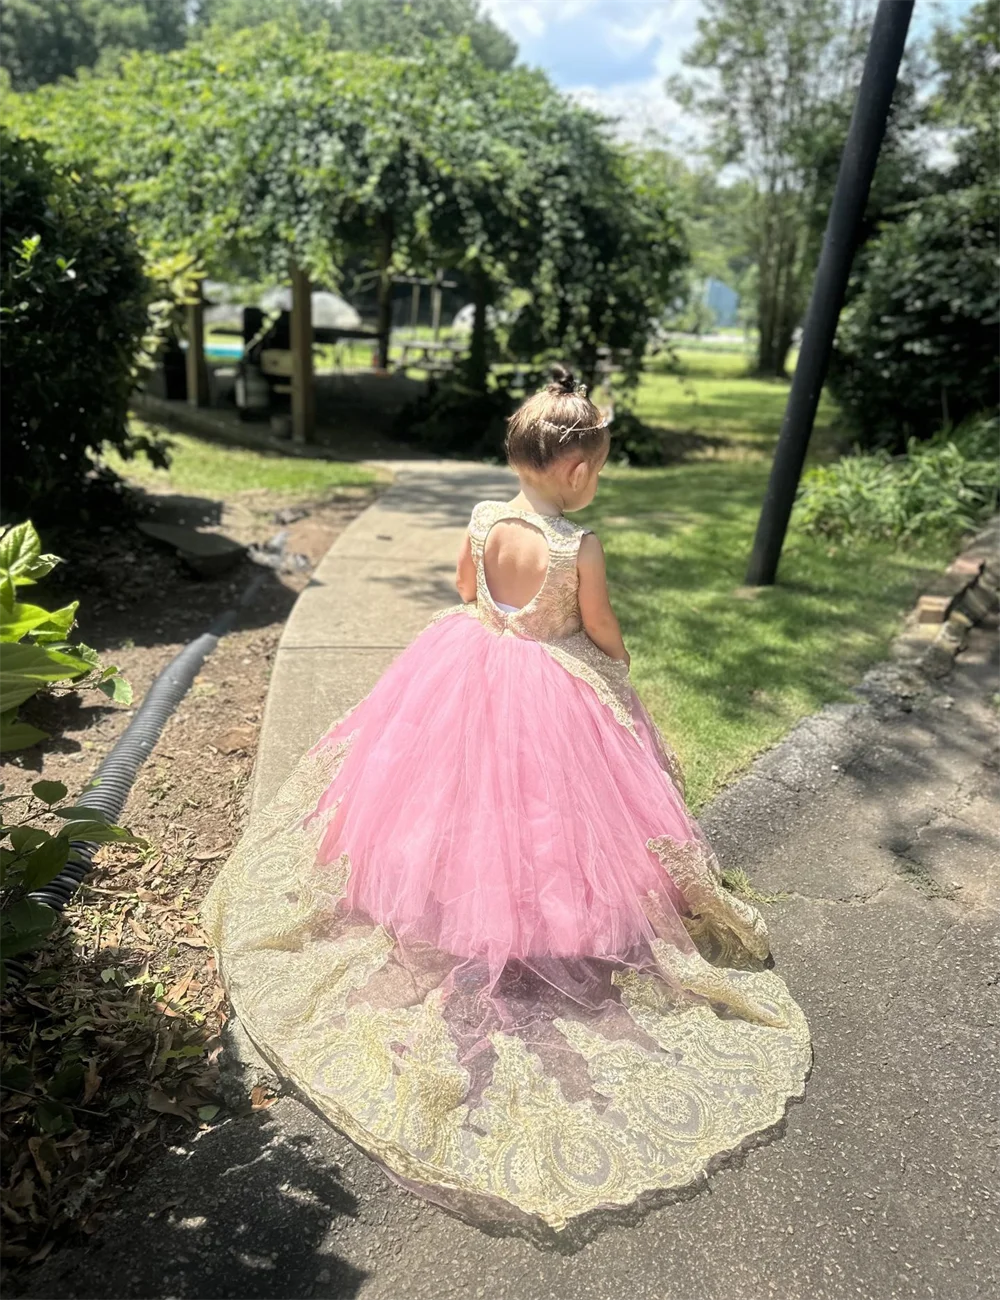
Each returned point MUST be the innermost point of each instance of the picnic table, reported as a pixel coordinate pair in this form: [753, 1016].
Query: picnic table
[433, 356]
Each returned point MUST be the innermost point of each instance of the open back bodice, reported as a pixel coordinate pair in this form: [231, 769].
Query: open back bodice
[553, 613]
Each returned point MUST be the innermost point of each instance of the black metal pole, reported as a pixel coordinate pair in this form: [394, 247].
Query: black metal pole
[857, 166]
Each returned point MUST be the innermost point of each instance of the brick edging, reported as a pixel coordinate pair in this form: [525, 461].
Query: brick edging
[966, 594]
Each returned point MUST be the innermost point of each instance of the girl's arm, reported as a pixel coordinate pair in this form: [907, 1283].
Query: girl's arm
[465, 574]
[599, 621]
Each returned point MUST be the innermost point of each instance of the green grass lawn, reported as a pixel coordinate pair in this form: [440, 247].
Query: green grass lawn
[726, 671]
[197, 465]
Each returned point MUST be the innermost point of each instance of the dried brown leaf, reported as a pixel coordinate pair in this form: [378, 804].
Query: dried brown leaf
[259, 1100]
[157, 1099]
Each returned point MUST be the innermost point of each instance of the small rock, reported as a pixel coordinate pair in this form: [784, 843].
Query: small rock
[290, 515]
[237, 738]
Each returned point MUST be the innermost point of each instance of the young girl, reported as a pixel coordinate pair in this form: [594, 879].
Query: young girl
[477, 927]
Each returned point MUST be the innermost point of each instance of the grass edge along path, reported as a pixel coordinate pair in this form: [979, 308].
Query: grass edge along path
[203, 466]
[726, 672]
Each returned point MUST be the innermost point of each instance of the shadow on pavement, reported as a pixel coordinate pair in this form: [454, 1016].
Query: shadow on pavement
[241, 1212]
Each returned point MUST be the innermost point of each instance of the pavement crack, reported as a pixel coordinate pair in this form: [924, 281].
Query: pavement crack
[854, 900]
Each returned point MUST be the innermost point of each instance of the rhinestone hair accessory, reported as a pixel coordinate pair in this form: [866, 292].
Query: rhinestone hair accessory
[577, 427]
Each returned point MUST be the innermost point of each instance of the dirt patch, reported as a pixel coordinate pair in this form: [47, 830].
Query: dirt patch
[111, 1045]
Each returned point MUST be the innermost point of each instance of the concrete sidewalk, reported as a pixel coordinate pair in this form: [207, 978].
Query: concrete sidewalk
[879, 818]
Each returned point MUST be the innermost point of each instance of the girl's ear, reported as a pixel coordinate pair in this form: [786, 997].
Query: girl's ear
[578, 474]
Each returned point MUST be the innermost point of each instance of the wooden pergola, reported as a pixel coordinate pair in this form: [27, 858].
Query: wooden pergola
[303, 377]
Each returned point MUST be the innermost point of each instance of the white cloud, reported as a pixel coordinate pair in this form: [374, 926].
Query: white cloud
[590, 48]
[641, 109]
[533, 18]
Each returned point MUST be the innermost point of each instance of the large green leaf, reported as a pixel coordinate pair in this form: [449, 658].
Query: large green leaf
[45, 863]
[97, 832]
[24, 669]
[27, 838]
[19, 619]
[15, 734]
[21, 555]
[49, 791]
[116, 688]
[24, 925]
[81, 813]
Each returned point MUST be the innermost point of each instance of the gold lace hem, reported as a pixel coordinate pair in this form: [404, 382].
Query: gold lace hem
[678, 1066]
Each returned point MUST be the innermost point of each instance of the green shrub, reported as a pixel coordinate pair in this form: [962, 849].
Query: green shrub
[31, 856]
[942, 487]
[453, 419]
[75, 310]
[35, 655]
[917, 344]
[634, 442]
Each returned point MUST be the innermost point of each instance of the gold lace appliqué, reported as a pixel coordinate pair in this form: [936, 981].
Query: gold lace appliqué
[361, 1026]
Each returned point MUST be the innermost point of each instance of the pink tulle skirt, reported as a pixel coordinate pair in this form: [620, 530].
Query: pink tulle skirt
[479, 930]
[493, 807]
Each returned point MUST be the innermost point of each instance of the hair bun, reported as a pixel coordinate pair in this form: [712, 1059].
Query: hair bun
[563, 381]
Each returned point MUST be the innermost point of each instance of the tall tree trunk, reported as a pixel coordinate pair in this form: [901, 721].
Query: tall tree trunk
[479, 361]
[778, 286]
[384, 325]
[786, 299]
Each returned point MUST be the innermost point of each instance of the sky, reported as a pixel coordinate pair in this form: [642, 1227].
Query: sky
[615, 55]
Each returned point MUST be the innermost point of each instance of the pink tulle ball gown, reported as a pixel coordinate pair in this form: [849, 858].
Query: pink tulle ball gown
[479, 930]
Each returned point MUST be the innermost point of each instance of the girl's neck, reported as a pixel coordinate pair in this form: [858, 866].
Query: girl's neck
[537, 500]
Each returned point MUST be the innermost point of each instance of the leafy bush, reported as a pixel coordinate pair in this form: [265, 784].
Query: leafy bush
[35, 653]
[917, 343]
[75, 312]
[943, 487]
[454, 419]
[635, 443]
[31, 857]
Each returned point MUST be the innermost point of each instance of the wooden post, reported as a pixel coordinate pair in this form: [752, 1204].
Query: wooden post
[414, 306]
[303, 380]
[479, 362]
[384, 326]
[436, 302]
[197, 367]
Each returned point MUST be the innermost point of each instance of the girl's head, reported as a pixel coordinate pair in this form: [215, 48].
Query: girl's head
[559, 441]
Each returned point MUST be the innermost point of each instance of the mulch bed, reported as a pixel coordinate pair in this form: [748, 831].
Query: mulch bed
[110, 1049]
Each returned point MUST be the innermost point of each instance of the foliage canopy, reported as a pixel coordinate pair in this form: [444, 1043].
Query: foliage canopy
[75, 314]
[775, 85]
[267, 147]
[43, 40]
[917, 343]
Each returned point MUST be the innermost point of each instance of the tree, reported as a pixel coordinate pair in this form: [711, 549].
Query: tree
[967, 59]
[714, 218]
[399, 27]
[75, 314]
[374, 26]
[251, 151]
[776, 90]
[42, 40]
[917, 342]
[917, 345]
[229, 16]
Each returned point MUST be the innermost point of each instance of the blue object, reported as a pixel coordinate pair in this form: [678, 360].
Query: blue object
[723, 301]
[220, 349]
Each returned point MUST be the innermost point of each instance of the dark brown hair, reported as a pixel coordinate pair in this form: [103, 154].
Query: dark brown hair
[559, 419]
